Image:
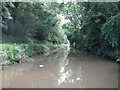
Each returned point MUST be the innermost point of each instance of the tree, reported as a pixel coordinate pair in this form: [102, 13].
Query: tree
[36, 21]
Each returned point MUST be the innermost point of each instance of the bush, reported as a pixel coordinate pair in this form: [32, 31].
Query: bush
[111, 34]
[11, 53]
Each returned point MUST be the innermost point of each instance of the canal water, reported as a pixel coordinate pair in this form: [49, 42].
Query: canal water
[62, 69]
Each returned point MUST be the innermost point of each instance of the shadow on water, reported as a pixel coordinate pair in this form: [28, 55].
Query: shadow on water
[62, 69]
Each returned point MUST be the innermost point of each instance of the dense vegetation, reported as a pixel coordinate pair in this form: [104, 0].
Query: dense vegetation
[95, 27]
[30, 29]
[33, 28]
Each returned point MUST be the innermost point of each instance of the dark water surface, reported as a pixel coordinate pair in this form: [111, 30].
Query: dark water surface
[62, 69]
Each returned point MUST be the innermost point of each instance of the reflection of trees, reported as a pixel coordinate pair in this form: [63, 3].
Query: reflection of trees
[57, 68]
[68, 70]
[63, 73]
[59, 61]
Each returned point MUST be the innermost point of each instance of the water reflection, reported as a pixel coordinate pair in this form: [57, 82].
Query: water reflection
[66, 74]
[62, 69]
[64, 77]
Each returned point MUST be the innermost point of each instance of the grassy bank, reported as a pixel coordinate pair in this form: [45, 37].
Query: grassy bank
[16, 53]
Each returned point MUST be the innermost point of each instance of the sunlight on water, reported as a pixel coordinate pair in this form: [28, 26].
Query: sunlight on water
[65, 73]
[63, 77]
[62, 69]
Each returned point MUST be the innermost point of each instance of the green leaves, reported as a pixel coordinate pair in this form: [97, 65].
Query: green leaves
[5, 6]
[95, 27]
[37, 21]
[110, 30]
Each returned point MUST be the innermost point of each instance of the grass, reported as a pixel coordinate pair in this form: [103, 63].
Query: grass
[10, 53]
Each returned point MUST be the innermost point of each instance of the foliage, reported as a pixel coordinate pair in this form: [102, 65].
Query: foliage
[33, 26]
[17, 52]
[5, 9]
[11, 52]
[95, 27]
[111, 33]
[33, 21]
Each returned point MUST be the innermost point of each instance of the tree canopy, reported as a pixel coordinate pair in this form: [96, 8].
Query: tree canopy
[92, 26]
